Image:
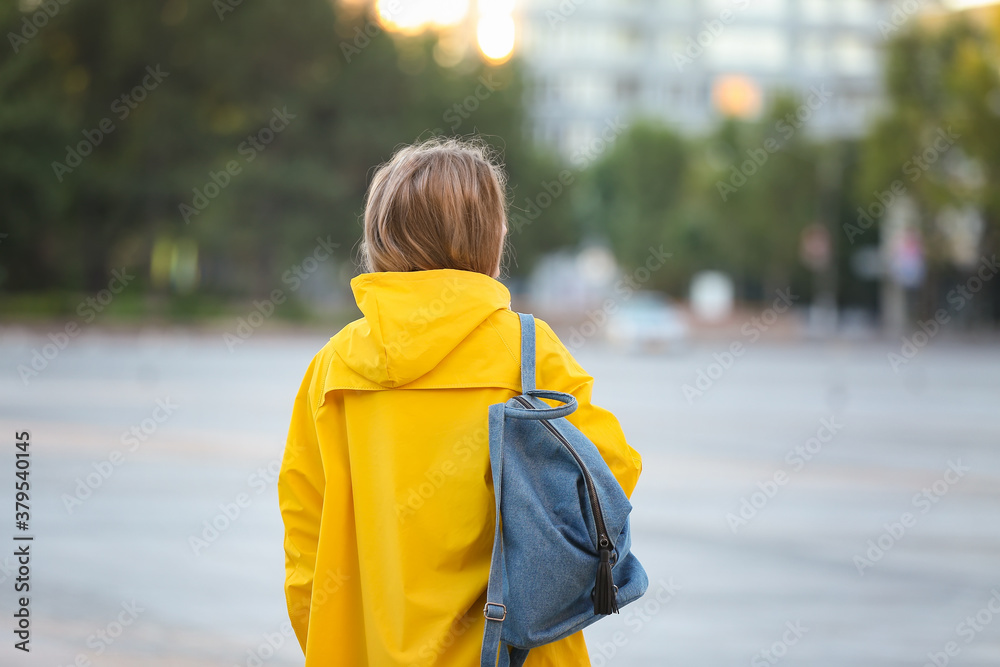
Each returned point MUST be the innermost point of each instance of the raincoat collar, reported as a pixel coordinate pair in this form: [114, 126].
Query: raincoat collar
[413, 320]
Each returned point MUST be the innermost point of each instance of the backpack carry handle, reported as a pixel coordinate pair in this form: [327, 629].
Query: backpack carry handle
[544, 413]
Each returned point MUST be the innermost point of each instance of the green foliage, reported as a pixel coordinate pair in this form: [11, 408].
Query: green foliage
[736, 200]
[940, 79]
[350, 94]
[765, 217]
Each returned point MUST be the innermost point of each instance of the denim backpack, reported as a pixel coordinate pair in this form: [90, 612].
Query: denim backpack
[561, 558]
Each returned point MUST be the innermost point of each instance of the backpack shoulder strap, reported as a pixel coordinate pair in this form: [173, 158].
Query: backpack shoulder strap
[494, 651]
[527, 351]
[495, 611]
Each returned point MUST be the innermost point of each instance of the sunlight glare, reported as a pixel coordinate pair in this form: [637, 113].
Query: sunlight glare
[496, 36]
[415, 15]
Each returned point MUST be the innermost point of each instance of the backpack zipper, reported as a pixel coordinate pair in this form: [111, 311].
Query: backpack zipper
[605, 591]
[602, 532]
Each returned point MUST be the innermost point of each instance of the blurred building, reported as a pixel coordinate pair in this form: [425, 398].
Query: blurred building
[688, 62]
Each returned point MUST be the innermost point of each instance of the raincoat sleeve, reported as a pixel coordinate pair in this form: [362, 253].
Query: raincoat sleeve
[301, 483]
[558, 370]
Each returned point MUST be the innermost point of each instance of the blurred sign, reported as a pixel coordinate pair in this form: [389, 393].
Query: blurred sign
[815, 247]
[596, 265]
[963, 230]
[907, 263]
[711, 296]
[902, 244]
[174, 263]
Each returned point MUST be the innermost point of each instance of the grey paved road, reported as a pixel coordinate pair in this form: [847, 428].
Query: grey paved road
[786, 586]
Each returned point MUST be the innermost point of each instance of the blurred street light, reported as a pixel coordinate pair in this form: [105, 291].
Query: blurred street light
[493, 20]
[737, 96]
[496, 36]
[414, 16]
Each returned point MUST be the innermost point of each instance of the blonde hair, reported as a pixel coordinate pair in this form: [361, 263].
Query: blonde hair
[438, 204]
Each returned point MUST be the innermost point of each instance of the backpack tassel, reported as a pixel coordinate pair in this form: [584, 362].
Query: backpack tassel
[605, 598]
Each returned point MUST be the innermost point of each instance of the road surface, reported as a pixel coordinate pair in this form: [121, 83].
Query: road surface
[801, 504]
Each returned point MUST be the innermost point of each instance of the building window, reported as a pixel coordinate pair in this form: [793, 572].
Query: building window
[587, 89]
[772, 9]
[627, 89]
[679, 8]
[547, 90]
[856, 11]
[621, 41]
[851, 55]
[815, 11]
[673, 95]
[577, 136]
[755, 48]
[813, 53]
[674, 45]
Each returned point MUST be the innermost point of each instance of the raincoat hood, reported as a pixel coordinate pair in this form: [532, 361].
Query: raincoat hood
[412, 321]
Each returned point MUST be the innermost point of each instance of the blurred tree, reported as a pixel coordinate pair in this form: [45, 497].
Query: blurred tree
[251, 128]
[939, 140]
[736, 201]
[635, 198]
[766, 193]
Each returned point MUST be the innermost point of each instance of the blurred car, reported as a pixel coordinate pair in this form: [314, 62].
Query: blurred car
[648, 320]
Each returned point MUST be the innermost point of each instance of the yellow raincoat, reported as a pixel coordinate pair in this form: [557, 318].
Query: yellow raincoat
[387, 497]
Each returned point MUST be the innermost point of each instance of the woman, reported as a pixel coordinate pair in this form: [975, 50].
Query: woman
[385, 486]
